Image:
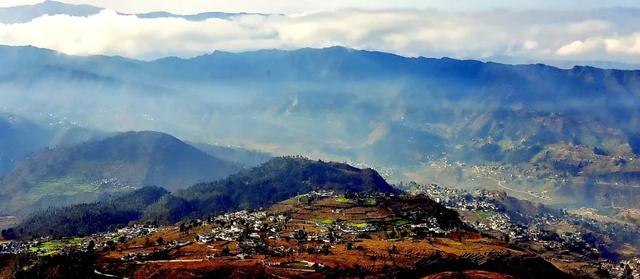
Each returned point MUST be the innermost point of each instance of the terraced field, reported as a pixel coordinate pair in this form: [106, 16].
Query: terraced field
[363, 245]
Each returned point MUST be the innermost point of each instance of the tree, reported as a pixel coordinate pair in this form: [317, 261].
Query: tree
[311, 250]
[226, 251]
[390, 234]
[91, 245]
[111, 245]
[628, 273]
[9, 234]
[349, 246]
[392, 250]
[326, 249]
[300, 235]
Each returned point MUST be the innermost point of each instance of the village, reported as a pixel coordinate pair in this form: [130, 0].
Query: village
[481, 209]
[315, 223]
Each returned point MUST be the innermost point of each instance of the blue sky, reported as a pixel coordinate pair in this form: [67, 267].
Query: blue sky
[500, 30]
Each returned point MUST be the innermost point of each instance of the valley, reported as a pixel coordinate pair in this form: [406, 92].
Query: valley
[229, 211]
[523, 125]
[87, 208]
[321, 234]
[320, 139]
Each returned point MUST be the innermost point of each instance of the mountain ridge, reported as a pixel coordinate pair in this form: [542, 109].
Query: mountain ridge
[26, 13]
[394, 112]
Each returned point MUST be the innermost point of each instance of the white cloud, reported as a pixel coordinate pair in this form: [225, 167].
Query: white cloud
[530, 44]
[623, 46]
[111, 33]
[628, 45]
[577, 47]
[537, 35]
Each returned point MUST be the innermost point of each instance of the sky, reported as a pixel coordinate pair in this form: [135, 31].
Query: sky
[302, 6]
[544, 30]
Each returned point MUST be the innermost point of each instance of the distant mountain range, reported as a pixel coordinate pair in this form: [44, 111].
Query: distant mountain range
[26, 13]
[87, 171]
[398, 114]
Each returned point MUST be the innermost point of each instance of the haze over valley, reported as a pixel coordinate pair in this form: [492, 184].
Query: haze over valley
[533, 122]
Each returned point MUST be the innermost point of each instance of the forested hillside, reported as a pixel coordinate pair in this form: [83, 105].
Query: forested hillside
[274, 181]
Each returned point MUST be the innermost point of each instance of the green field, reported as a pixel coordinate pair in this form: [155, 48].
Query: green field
[63, 186]
[370, 202]
[326, 221]
[359, 225]
[486, 214]
[55, 246]
[344, 200]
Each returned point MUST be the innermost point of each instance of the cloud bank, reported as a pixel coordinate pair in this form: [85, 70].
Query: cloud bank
[607, 34]
[300, 6]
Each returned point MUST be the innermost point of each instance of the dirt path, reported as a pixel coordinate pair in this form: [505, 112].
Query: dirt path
[172, 261]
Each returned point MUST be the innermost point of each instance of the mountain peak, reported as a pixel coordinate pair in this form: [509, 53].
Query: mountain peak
[109, 165]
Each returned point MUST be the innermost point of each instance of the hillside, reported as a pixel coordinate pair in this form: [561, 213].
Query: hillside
[85, 172]
[316, 235]
[274, 181]
[280, 179]
[86, 219]
[362, 232]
